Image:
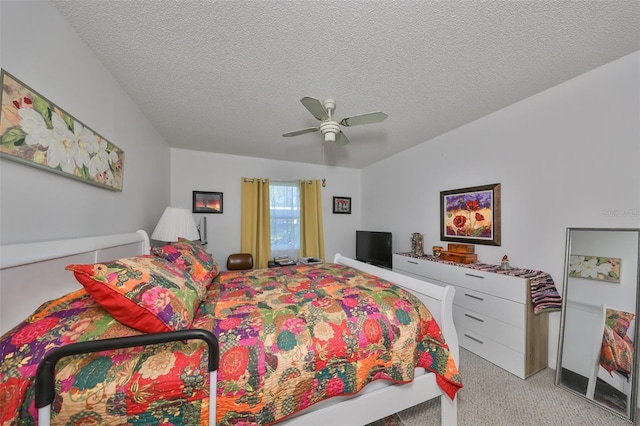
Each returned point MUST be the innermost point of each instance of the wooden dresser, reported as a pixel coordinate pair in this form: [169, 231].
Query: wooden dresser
[492, 312]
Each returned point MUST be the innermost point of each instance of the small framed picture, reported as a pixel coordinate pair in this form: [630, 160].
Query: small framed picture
[207, 202]
[342, 205]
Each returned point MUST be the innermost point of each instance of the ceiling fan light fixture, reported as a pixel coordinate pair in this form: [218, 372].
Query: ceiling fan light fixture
[329, 137]
[329, 130]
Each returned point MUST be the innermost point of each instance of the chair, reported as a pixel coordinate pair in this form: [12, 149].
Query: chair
[239, 261]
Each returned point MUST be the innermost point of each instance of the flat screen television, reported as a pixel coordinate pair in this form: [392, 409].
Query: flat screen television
[374, 247]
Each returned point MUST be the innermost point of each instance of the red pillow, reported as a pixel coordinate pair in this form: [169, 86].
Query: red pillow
[143, 292]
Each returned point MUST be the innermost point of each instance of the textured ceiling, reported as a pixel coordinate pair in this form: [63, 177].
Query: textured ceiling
[227, 76]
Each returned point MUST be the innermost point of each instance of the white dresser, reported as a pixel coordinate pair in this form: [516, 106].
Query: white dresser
[493, 313]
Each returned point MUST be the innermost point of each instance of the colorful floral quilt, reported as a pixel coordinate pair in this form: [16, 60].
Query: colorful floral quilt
[289, 338]
[616, 353]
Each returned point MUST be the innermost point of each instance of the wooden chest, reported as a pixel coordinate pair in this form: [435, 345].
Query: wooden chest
[459, 257]
[461, 248]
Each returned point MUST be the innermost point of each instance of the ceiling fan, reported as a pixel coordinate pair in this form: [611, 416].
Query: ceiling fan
[329, 128]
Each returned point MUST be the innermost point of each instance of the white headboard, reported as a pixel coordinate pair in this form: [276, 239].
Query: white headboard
[33, 273]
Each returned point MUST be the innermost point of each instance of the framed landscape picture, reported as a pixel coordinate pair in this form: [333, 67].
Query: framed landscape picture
[471, 215]
[207, 202]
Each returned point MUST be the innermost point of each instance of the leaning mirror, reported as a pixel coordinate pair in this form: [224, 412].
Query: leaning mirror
[597, 356]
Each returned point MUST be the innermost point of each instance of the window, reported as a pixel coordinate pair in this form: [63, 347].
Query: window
[284, 208]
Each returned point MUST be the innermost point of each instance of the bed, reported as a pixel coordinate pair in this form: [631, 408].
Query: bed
[33, 278]
[598, 346]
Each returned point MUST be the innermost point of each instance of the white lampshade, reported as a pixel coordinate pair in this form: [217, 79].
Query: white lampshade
[175, 223]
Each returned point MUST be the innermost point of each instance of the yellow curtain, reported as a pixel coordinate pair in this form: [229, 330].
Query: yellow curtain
[255, 234]
[311, 227]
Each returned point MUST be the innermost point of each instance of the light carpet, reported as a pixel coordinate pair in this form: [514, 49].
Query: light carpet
[494, 397]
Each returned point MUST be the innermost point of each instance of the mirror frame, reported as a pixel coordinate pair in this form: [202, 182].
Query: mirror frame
[636, 332]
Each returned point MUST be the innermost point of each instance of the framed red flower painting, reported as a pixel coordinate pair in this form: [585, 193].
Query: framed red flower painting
[471, 215]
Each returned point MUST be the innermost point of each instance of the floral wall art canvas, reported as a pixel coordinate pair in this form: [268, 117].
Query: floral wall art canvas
[471, 215]
[595, 268]
[36, 132]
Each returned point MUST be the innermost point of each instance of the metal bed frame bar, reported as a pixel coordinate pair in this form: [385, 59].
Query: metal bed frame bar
[45, 375]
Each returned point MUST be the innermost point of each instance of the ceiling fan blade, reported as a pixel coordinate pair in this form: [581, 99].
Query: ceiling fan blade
[301, 131]
[315, 107]
[372, 117]
[341, 139]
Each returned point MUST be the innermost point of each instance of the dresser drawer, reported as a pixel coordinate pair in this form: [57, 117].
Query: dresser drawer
[423, 268]
[483, 325]
[504, 286]
[503, 356]
[491, 306]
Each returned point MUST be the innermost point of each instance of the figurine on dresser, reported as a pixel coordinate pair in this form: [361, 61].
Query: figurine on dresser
[417, 244]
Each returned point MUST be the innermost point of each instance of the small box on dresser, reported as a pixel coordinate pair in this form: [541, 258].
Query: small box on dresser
[493, 313]
[459, 257]
[461, 248]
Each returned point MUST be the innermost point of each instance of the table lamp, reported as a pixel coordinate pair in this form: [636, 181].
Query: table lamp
[175, 223]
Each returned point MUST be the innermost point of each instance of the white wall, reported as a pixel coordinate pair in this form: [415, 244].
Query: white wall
[566, 157]
[200, 171]
[39, 47]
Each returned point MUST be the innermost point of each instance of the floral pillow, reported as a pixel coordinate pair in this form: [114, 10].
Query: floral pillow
[192, 257]
[619, 321]
[144, 292]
